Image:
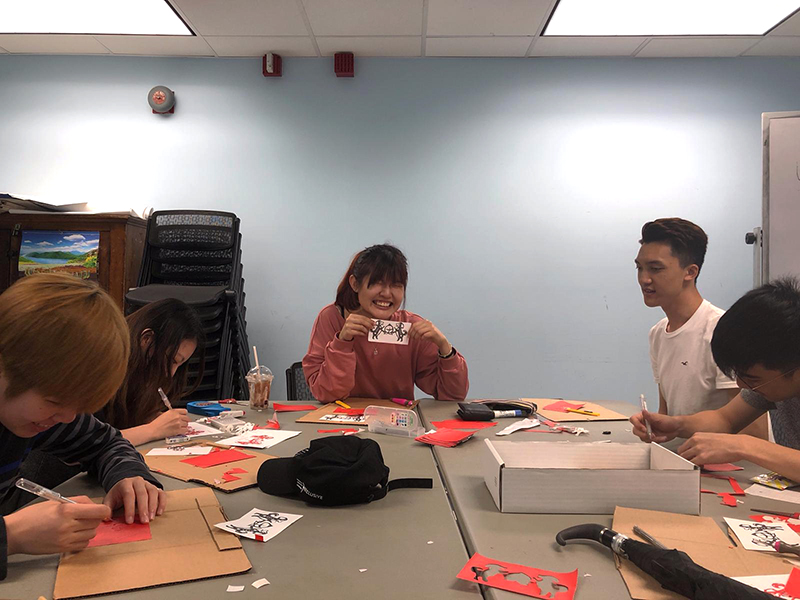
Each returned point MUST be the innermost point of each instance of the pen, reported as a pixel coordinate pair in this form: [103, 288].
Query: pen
[41, 491]
[164, 399]
[342, 404]
[646, 422]
[647, 537]
[402, 401]
[583, 412]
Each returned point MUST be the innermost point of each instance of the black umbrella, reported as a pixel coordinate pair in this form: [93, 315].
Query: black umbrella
[673, 569]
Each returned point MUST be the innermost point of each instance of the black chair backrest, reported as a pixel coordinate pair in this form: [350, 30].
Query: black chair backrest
[296, 386]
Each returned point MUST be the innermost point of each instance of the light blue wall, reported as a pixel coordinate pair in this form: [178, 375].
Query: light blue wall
[517, 188]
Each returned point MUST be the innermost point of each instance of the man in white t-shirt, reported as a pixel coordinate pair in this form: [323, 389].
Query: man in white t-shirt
[669, 260]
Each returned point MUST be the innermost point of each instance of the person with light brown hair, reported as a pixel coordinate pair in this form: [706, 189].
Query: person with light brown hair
[64, 348]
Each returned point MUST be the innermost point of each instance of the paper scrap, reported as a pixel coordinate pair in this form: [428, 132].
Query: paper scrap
[721, 467]
[117, 531]
[792, 522]
[235, 588]
[217, 458]
[430, 541]
[259, 439]
[774, 585]
[448, 438]
[228, 478]
[259, 583]
[259, 524]
[755, 535]
[271, 424]
[563, 405]
[792, 588]
[353, 412]
[768, 492]
[536, 583]
[727, 499]
[180, 451]
[292, 407]
[389, 332]
[200, 429]
[361, 570]
[461, 424]
[518, 426]
[737, 489]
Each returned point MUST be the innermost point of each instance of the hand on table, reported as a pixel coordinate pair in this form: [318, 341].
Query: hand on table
[136, 495]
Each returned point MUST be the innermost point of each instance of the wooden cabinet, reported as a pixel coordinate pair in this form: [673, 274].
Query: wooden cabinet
[119, 253]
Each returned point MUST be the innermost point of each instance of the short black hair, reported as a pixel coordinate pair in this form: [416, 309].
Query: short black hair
[761, 328]
[687, 241]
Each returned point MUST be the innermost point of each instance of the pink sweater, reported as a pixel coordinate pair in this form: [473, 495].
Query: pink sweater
[336, 369]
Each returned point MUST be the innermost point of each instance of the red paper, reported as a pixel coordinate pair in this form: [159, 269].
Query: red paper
[717, 468]
[459, 424]
[445, 437]
[227, 477]
[702, 491]
[117, 531]
[790, 521]
[338, 430]
[737, 489]
[271, 424]
[792, 584]
[563, 405]
[212, 459]
[536, 583]
[353, 412]
[292, 407]
[236, 470]
[728, 499]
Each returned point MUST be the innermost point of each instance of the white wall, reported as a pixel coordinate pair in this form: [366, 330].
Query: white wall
[517, 188]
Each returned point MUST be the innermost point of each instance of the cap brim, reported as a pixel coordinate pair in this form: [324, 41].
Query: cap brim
[277, 476]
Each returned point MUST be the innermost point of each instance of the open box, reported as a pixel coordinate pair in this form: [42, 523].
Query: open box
[588, 478]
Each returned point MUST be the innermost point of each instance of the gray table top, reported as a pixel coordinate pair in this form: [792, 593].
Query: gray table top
[323, 551]
[529, 539]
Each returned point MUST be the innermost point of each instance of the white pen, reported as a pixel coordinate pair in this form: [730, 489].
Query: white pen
[164, 399]
[41, 491]
[646, 422]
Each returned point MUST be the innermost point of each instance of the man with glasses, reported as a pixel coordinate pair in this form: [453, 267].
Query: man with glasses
[758, 343]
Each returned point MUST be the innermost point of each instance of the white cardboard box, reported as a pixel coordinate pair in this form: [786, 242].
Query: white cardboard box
[588, 478]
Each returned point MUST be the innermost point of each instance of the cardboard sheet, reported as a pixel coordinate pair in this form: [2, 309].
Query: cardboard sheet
[605, 414]
[185, 546]
[174, 466]
[700, 537]
[327, 414]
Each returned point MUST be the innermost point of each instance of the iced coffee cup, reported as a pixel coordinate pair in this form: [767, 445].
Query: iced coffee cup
[260, 381]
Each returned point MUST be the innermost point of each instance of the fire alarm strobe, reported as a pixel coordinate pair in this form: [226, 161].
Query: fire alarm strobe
[272, 65]
[343, 64]
[162, 100]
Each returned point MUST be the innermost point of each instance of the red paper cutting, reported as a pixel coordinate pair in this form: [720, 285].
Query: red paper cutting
[536, 583]
[271, 424]
[445, 437]
[236, 470]
[292, 407]
[737, 489]
[227, 477]
[777, 519]
[792, 588]
[459, 424]
[213, 459]
[353, 412]
[728, 499]
[563, 405]
[338, 430]
[117, 531]
[702, 491]
[720, 467]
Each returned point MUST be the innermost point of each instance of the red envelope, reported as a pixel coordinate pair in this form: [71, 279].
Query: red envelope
[459, 424]
[217, 458]
[292, 407]
[563, 405]
[117, 531]
[536, 583]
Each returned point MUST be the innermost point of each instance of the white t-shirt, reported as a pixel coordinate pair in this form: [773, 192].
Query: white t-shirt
[684, 367]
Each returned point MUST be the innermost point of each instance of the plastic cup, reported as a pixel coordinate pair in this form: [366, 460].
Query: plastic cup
[260, 381]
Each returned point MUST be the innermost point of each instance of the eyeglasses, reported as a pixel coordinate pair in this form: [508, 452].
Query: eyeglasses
[747, 386]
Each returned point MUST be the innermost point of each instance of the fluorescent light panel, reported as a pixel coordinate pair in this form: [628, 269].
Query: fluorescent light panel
[134, 17]
[668, 17]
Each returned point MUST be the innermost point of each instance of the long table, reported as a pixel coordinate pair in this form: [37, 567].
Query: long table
[319, 556]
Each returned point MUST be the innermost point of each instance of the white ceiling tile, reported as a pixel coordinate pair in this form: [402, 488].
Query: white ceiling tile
[689, 47]
[152, 45]
[364, 17]
[479, 17]
[51, 44]
[477, 46]
[259, 46]
[586, 46]
[370, 46]
[769, 46]
[244, 17]
[790, 26]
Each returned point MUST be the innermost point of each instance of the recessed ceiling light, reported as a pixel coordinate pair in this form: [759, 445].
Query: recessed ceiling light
[668, 17]
[132, 17]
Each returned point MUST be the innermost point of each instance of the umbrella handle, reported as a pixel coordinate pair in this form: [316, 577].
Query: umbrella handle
[591, 531]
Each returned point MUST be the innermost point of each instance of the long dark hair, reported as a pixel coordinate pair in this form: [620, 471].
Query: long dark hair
[382, 262]
[172, 322]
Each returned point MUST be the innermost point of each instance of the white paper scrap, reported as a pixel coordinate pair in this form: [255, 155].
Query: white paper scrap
[260, 583]
[198, 429]
[259, 438]
[361, 570]
[771, 584]
[761, 536]
[235, 588]
[762, 491]
[389, 332]
[430, 541]
[519, 425]
[180, 451]
[259, 524]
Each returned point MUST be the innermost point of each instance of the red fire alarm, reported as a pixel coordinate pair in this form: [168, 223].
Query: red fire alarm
[272, 65]
[344, 65]
[162, 100]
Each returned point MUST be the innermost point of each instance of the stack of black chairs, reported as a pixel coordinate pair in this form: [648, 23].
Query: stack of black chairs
[195, 256]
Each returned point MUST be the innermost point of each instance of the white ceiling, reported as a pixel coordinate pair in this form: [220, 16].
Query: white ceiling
[408, 28]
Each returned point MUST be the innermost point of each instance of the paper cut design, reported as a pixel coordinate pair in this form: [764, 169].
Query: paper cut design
[536, 583]
[519, 426]
[353, 412]
[343, 431]
[774, 585]
[217, 458]
[292, 407]
[259, 525]
[389, 332]
[563, 405]
[199, 429]
[180, 451]
[722, 467]
[460, 424]
[338, 418]
[760, 535]
[792, 522]
[117, 531]
[259, 439]
[448, 438]
[728, 499]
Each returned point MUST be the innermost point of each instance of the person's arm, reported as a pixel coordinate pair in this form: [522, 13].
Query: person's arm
[330, 363]
[662, 402]
[168, 423]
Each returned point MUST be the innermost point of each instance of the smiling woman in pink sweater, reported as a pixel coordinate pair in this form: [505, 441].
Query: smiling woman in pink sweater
[341, 362]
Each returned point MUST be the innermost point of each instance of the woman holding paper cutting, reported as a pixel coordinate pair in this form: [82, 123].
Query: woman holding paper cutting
[343, 362]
